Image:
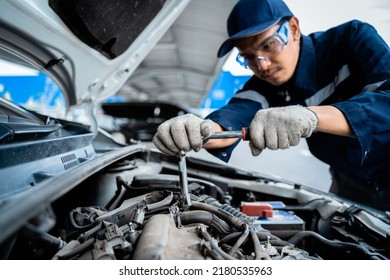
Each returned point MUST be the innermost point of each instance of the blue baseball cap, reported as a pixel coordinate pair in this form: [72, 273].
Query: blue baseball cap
[251, 17]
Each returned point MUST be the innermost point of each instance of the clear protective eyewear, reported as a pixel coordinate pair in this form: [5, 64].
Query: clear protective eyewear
[271, 47]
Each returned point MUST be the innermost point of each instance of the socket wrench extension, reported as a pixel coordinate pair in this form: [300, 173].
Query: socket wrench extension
[183, 180]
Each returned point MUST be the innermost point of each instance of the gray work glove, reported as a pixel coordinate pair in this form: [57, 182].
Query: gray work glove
[281, 127]
[182, 133]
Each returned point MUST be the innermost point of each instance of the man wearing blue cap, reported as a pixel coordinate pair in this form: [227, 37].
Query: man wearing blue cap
[331, 87]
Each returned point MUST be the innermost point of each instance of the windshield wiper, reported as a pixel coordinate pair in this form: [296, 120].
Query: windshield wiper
[16, 129]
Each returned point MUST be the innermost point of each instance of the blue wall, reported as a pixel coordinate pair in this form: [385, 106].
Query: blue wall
[223, 90]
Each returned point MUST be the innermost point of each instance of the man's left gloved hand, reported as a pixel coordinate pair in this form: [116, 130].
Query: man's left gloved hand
[281, 127]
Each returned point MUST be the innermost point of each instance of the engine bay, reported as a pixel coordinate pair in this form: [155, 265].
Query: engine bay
[71, 192]
[135, 209]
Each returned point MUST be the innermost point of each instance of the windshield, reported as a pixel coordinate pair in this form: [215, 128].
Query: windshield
[31, 89]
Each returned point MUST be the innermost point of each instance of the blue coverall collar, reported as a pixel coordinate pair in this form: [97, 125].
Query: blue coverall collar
[304, 75]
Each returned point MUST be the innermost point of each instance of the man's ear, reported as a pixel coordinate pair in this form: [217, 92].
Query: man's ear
[294, 28]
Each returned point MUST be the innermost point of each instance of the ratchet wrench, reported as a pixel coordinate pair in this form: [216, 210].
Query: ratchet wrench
[243, 134]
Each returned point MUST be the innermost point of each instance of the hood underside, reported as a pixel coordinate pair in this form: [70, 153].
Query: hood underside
[80, 45]
[159, 50]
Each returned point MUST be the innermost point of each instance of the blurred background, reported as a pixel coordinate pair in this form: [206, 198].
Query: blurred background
[182, 70]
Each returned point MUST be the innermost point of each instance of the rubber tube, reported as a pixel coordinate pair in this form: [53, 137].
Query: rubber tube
[207, 218]
[302, 235]
[233, 221]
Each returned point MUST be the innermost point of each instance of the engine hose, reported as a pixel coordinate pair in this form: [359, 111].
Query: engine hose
[162, 210]
[34, 233]
[279, 243]
[213, 189]
[232, 236]
[160, 204]
[240, 241]
[76, 250]
[207, 218]
[233, 221]
[214, 255]
[264, 234]
[233, 211]
[226, 207]
[302, 235]
[121, 182]
[115, 200]
[260, 252]
[90, 233]
[214, 245]
[209, 200]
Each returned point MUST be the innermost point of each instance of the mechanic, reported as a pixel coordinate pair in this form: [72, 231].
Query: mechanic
[330, 87]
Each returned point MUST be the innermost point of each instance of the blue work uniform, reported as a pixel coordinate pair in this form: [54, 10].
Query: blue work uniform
[348, 67]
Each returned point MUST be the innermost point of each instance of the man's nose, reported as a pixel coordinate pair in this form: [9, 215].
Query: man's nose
[263, 64]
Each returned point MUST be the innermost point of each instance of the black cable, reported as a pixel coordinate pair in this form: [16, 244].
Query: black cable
[334, 244]
[214, 245]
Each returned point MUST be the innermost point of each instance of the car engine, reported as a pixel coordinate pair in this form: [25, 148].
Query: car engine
[135, 209]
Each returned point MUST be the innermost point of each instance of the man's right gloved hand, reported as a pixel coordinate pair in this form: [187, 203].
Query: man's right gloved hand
[182, 133]
[281, 127]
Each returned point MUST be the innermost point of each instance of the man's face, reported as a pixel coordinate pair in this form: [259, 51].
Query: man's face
[276, 69]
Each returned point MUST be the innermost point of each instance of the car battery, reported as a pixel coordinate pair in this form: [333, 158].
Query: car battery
[279, 222]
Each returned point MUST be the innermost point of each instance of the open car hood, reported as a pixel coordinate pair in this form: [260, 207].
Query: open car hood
[69, 192]
[90, 48]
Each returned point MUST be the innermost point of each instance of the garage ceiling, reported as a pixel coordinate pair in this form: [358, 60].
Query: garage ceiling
[183, 65]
